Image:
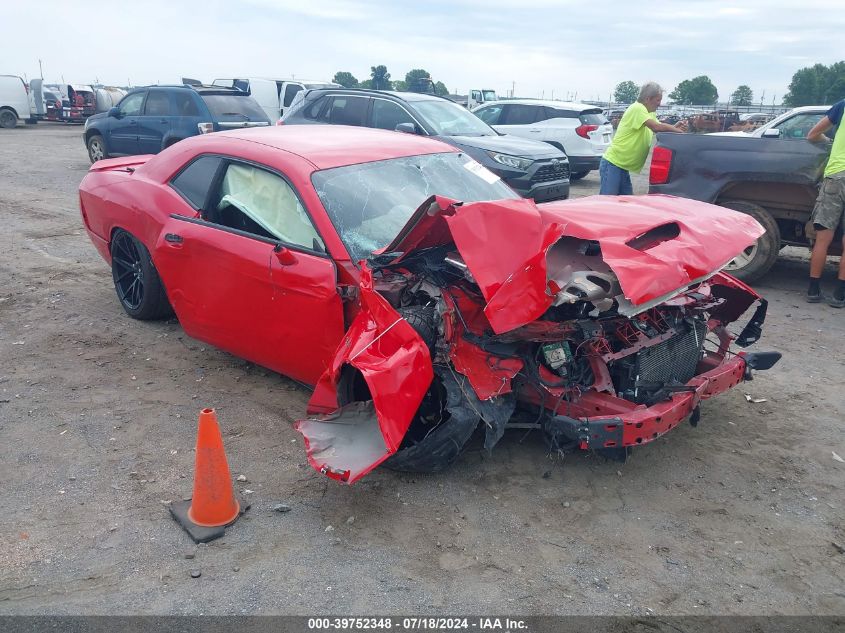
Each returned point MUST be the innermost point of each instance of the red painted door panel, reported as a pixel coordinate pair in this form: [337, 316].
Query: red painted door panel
[225, 289]
[309, 313]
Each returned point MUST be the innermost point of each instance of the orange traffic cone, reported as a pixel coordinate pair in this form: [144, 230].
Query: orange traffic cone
[214, 504]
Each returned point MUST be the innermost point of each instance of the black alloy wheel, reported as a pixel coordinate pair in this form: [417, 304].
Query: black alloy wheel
[136, 280]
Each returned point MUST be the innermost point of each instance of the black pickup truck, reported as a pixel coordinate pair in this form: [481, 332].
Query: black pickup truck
[775, 180]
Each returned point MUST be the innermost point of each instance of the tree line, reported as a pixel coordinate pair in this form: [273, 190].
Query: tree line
[416, 80]
[815, 85]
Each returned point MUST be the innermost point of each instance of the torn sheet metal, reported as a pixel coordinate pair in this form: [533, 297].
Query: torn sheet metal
[490, 375]
[396, 365]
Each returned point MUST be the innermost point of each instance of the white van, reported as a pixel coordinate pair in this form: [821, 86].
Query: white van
[14, 101]
[273, 95]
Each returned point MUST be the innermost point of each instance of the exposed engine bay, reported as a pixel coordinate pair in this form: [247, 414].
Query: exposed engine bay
[593, 370]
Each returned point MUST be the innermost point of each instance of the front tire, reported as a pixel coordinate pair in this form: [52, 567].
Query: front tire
[136, 281]
[756, 260]
[439, 431]
[8, 119]
[578, 175]
[96, 148]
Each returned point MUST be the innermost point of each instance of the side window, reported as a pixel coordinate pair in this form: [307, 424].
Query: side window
[557, 113]
[131, 105]
[490, 115]
[387, 115]
[476, 94]
[290, 93]
[799, 125]
[313, 110]
[158, 103]
[260, 202]
[516, 114]
[346, 111]
[185, 105]
[195, 180]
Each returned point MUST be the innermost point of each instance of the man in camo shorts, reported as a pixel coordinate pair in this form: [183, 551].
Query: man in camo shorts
[829, 212]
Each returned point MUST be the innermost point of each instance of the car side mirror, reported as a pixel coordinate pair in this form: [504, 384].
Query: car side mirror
[772, 132]
[114, 112]
[407, 128]
[284, 255]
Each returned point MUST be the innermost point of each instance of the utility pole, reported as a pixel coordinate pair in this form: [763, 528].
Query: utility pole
[513, 89]
[40, 70]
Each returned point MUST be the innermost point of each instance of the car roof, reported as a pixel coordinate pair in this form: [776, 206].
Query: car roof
[402, 96]
[292, 79]
[549, 103]
[327, 146]
[815, 108]
[201, 89]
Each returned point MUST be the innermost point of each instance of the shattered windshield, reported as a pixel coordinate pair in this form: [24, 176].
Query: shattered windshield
[370, 203]
[450, 119]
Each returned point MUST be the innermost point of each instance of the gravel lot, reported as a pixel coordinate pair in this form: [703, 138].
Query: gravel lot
[98, 419]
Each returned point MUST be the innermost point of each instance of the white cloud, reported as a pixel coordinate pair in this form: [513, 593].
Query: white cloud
[541, 45]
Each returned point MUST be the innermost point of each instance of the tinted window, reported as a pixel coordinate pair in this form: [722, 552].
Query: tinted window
[559, 113]
[593, 117]
[313, 110]
[346, 111]
[158, 104]
[185, 104]
[263, 203]
[515, 114]
[387, 115]
[131, 104]
[290, 93]
[369, 203]
[449, 119]
[490, 115]
[194, 181]
[234, 108]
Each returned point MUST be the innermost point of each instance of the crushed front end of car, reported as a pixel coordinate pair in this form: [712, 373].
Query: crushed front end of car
[600, 322]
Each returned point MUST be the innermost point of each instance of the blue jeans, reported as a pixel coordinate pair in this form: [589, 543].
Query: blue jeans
[613, 180]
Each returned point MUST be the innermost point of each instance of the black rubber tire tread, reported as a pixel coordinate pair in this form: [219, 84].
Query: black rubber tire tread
[154, 303]
[578, 175]
[768, 244]
[8, 119]
[102, 144]
[422, 319]
[444, 444]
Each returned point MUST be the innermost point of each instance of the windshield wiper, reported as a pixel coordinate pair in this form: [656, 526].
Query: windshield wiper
[246, 118]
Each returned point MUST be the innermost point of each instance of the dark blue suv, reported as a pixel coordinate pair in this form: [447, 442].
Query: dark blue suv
[149, 119]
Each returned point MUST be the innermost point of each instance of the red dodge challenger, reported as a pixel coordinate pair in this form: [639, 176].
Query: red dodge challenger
[421, 296]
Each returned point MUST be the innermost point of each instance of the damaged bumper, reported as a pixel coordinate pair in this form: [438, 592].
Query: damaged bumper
[645, 424]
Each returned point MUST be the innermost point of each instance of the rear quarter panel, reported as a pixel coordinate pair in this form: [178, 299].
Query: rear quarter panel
[115, 198]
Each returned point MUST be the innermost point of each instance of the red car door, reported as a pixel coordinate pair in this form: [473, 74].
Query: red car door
[250, 279]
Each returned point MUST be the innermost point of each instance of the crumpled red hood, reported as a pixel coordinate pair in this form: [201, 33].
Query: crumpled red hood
[504, 245]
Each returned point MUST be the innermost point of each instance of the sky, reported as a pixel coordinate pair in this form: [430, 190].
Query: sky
[558, 49]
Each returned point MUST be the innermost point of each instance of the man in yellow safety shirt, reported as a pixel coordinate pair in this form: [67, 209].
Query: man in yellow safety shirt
[629, 148]
[829, 212]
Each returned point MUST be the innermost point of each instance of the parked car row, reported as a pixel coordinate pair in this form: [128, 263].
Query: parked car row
[533, 169]
[36, 101]
[581, 131]
[273, 95]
